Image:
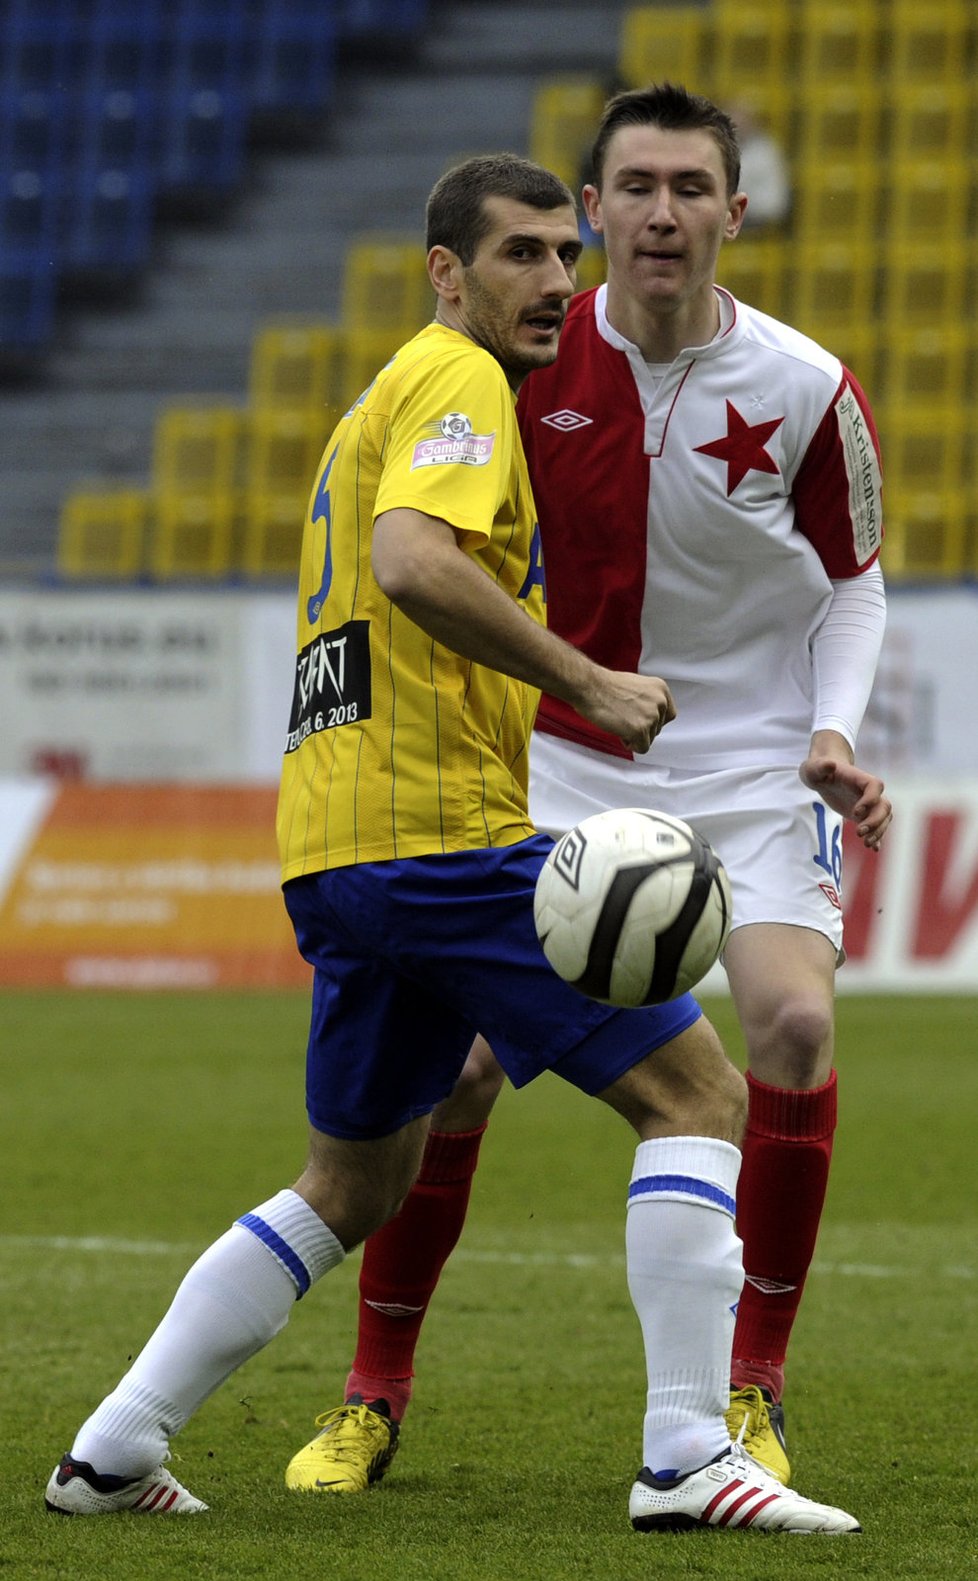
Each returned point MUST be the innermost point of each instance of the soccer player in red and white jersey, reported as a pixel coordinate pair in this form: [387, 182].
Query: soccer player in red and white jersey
[708, 489]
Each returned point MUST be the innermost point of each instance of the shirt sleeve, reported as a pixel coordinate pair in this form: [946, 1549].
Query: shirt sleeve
[837, 491]
[845, 652]
[450, 443]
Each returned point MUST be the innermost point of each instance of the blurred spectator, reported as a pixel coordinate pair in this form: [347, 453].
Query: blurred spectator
[763, 170]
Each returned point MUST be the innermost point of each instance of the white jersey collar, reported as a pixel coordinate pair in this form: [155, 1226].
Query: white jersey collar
[732, 328]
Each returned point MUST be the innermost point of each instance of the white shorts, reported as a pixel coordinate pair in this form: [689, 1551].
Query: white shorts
[780, 844]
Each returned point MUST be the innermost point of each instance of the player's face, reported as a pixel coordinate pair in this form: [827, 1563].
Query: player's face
[513, 296]
[664, 210]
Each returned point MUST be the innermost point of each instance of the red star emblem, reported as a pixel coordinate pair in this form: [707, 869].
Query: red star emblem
[742, 447]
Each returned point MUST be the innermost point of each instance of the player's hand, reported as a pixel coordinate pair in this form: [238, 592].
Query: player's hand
[632, 707]
[849, 790]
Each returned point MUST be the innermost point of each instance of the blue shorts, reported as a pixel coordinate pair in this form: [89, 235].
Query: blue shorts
[413, 957]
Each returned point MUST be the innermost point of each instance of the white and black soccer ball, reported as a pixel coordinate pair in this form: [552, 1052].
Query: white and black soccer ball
[632, 907]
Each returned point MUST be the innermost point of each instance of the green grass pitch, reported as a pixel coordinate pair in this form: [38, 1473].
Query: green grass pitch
[133, 1129]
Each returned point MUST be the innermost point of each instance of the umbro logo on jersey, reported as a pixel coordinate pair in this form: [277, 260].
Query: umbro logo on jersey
[831, 894]
[769, 1287]
[566, 420]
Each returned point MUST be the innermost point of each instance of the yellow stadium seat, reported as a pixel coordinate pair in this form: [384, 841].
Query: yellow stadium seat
[926, 450]
[927, 534]
[197, 477]
[857, 346]
[930, 119]
[838, 42]
[929, 40]
[928, 284]
[365, 352]
[836, 200]
[565, 114]
[284, 450]
[929, 198]
[753, 268]
[198, 449]
[386, 286]
[837, 121]
[273, 534]
[663, 44]
[102, 533]
[294, 366]
[751, 48]
[928, 367]
[193, 535]
[834, 289]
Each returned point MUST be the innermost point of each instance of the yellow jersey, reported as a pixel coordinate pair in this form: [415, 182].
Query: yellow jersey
[397, 746]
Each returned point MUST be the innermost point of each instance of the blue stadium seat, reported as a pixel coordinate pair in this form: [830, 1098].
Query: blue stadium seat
[108, 220]
[382, 19]
[291, 55]
[32, 129]
[40, 44]
[28, 293]
[123, 45]
[202, 139]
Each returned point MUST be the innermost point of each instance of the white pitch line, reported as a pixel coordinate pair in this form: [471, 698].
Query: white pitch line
[101, 1243]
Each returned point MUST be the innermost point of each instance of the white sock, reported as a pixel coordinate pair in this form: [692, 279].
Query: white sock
[685, 1273]
[235, 1298]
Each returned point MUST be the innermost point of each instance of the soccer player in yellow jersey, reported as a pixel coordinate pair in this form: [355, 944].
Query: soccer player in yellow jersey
[410, 863]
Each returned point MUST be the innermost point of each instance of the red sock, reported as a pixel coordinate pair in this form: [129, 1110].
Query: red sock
[401, 1266]
[782, 1186]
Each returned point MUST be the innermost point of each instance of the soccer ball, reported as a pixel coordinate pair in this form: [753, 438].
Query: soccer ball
[632, 907]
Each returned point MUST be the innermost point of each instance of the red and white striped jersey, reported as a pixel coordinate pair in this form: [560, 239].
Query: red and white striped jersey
[693, 518]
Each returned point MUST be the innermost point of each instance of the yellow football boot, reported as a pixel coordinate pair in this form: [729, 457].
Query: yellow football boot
[755, 1422]
[355, 1445]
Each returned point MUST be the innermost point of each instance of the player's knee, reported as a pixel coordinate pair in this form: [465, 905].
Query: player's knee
[794, 1049]
[470, 1103]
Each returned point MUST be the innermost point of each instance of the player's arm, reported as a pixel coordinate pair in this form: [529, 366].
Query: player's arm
[420, 566]
[845, 651]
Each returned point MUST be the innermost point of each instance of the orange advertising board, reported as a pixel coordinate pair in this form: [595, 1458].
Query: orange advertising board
[149, 886]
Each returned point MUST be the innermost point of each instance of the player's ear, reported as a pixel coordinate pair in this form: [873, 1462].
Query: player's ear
[736, 210]
[445, 272]
[591, 199]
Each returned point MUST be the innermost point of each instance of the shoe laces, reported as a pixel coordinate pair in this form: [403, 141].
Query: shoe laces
[754, 1406]
[347, 1445]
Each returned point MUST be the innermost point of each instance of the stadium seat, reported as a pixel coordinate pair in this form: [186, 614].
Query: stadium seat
[383, 20]
[663, 43]
[273, 526]
[926, 449]
[197, 480]
[929, 366]
[365, 352]
[33, 130]
[283, 450]
[751, 48]
[192, 535]
[929, 198]
[753, 269]
[290, 57]
[202, 134]
[930, 119]
[102, 534]
[927, 535]
[40, 45]
[565, 112]
[123, 46]
[837, 121]
[199, 449]
[929, 42]
[386, 286]
[929, 284]
[108, 220]
[834, 288]
[28, 299]
[836, 200]
[838, 42]
[296, 367]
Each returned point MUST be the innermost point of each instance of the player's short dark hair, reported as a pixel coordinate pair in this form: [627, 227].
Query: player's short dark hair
[674, 109]
[456, 214]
